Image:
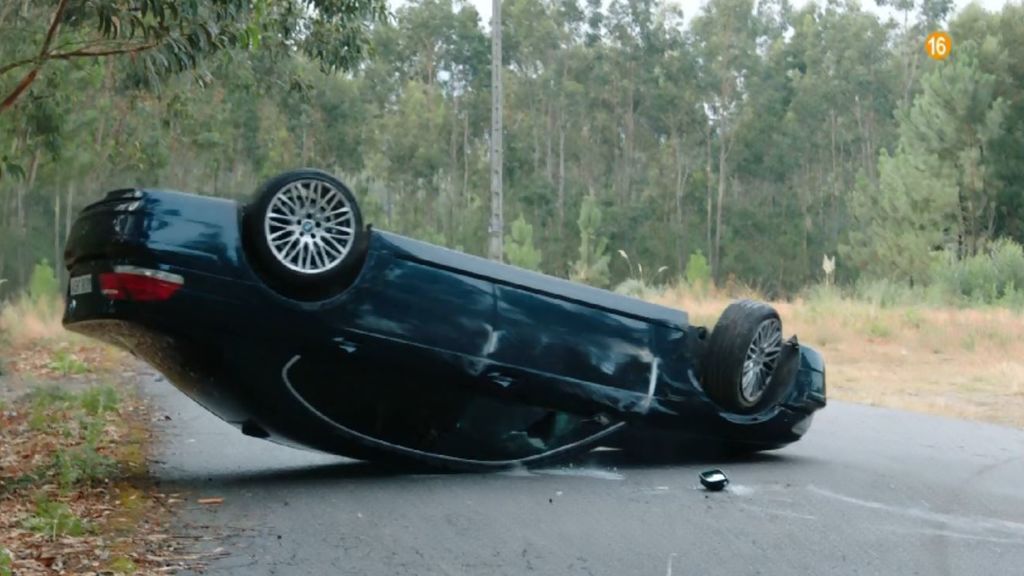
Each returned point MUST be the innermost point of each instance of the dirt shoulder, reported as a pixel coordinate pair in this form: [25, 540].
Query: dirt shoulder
[75, 495]
[962, 363]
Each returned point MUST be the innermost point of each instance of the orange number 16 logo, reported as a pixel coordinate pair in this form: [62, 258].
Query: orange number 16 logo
[938, 45]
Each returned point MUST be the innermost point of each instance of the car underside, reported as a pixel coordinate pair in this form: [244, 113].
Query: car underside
[292, 320]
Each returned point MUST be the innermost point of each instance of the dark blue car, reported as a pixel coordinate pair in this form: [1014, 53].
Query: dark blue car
[292, 320]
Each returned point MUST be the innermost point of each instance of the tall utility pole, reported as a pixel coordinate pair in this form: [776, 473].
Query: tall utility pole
[496, 245]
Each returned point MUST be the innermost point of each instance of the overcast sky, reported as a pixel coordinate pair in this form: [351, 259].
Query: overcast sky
[692, 7]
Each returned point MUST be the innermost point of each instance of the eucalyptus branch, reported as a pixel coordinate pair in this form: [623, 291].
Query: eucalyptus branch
[27, 80]
[92, 53]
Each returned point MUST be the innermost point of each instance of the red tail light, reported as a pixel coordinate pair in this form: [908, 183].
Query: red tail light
[139, 284]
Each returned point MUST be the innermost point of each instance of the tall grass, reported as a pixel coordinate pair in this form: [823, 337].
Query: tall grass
[27, 320]
[993, 277]
[35, 314]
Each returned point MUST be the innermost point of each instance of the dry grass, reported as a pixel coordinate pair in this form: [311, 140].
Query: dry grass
[965, 363]
[25, 321]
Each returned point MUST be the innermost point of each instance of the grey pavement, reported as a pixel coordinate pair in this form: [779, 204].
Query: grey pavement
[867, 491]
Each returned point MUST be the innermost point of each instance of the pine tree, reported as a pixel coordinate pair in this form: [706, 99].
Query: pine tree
[519, 248]
[898, 227]
[592, 266]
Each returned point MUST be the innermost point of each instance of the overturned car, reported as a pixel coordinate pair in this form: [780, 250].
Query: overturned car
[292, 320]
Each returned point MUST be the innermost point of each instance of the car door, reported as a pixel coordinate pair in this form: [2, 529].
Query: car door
[410, 367]
[545, 335]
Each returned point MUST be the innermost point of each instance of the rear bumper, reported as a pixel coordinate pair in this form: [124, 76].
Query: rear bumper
[149, 227]
[194, 237]
[183, 337]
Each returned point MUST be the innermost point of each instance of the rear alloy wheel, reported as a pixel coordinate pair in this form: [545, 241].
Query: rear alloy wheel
[743, 352]
[307, 230]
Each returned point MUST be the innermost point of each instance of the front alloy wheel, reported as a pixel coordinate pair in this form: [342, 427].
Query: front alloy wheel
[742, 356]
[307, 232]
[762, 355]
[309, 226]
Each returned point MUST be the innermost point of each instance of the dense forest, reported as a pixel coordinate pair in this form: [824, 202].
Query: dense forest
[743, 144]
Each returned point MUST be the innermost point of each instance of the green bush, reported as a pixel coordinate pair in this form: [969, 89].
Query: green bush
[697, 272]
[519, 248]
[54, 519]
[122, 565]
[912, 318]
[886, 293]
[50, 396]
[84, 464]
[995, 276]
[99, 399]
[43, 285]
[80, 416]
[592, 266]
[633, 287]
[822, 295]
[5, 562]
[66, 364]
[81, 466]
[877, 328]
[47, 403]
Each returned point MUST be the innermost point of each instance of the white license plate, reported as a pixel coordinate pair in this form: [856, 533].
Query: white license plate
[80, 285]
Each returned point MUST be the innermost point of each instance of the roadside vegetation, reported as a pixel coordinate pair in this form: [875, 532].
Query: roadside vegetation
[898, 349]
[950, 345]
[75, 497]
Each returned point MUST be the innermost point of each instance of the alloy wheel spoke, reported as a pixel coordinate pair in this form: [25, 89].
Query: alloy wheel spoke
[761, 358]
[310, 226]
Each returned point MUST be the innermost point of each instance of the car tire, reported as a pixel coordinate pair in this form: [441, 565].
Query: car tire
[306, 231]
[742, 354]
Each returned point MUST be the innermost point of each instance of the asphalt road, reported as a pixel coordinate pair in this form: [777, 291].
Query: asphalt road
[868, 491]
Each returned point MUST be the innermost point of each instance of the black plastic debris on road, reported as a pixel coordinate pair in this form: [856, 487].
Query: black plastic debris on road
[713, 480]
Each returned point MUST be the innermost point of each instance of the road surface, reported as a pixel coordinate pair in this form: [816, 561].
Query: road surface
[868, 491]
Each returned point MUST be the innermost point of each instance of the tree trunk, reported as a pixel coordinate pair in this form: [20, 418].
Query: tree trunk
[549, 164]
[388, 205]
[682, 176]
[872, 165]
[861, 127]
[911, 79]
[453, 164]
[57, 268]
[630, 139]
[465, 158]
[678, 149]
[561, 178]
[834, 202]
[722, 153]
[69, 208]
[496, 246]
[536, 148]
[21, 229]
[707, 198]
